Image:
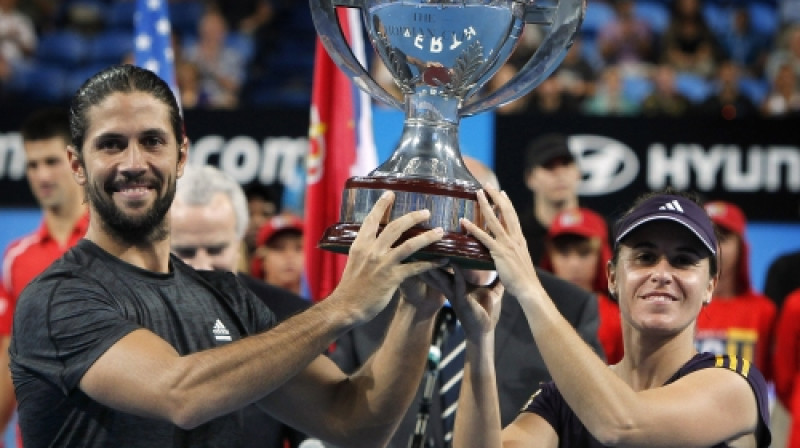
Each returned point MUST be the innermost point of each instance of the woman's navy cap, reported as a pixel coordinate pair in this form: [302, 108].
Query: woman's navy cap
[679, 209]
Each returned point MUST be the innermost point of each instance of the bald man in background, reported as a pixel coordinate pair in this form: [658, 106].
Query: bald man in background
[208, 223]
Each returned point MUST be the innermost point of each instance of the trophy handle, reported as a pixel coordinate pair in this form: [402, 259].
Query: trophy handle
[323, 12]
[567, 16]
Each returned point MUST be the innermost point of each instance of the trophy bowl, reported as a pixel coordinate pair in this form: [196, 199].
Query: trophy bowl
[440, 54]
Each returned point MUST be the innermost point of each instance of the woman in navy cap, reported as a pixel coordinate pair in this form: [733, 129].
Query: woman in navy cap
[662, 393]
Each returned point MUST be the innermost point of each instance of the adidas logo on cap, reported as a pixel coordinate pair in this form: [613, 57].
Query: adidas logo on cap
[673, 205]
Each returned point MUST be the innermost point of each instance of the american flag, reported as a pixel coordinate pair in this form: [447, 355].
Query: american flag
[152, 41]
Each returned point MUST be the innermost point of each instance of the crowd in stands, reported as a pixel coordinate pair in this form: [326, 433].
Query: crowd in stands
[726, 58]
[227, 54]
[730, 58]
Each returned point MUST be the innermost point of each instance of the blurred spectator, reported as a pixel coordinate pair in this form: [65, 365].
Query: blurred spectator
[787, 52]
[550, 97]
[187, 76]
[577, 250]
[43, 14]
[688, 43]
[222, 68]
[280, 252]
[525, 49]
[782, 277]
[257, 19]
[728, 101]
[789, 12]
[745, 45]
[627, 40]
[610, 98]
[501, 78]
[85, 17]
[553, 177]
[263, 202]
[665, 100]
[784, 98]
[246, 16]
[577, 75]
[17, 39]
[738, 321]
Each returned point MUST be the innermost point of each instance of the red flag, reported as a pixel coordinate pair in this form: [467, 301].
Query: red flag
[341, 146]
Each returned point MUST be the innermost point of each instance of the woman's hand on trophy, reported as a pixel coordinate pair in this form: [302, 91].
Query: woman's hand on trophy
[374, 267]
[505, 242]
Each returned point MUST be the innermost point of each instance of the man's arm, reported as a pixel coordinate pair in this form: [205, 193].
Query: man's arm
[365, 408]
[143, 375]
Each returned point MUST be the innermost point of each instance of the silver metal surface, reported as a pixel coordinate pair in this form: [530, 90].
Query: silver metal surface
[445, 210]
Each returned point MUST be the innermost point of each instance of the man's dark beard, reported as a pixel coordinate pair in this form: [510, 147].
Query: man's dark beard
[135, 231]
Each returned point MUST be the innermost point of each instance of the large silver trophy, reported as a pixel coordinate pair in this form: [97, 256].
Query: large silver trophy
[440, 53]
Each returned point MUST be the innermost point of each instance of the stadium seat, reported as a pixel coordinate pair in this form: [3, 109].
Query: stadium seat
[110, 47]
[694, 87]
[718, 17]
[185, 16]
[119, 15]
[636, 88]
[75, 78]
[597, 16]
[754, 88]
[46, 83]
[763, 17]
[65, 48]
[655, 13]
[591, 52]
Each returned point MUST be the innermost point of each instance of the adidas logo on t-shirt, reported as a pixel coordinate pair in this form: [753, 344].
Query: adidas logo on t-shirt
[220, 332]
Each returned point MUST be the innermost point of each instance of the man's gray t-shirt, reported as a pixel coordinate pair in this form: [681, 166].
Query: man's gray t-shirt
[87, 301]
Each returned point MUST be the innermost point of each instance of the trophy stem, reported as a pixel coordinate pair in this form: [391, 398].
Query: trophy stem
[429, 144]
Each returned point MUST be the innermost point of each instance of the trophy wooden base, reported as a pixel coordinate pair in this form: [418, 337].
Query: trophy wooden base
[447, 203]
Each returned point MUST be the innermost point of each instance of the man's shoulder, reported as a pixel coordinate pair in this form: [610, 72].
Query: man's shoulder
[282, 302]
[561, 291]
[787, 261]
[222, 280]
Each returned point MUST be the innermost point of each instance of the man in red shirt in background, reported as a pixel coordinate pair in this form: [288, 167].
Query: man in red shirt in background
[786, 363]
[739, 321]
[45, 136]
[577, 250]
